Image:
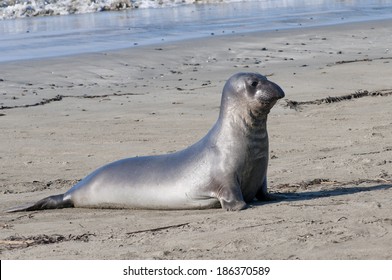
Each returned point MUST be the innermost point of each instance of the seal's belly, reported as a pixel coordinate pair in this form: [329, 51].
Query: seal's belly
[157, 191]
[142, 198]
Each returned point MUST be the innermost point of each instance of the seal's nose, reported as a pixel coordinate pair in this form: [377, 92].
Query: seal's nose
[274, 91]
[279, 93]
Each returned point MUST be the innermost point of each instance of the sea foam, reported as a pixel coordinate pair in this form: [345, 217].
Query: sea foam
[29, 8]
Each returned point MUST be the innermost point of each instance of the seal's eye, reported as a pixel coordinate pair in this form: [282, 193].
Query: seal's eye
[254, 84]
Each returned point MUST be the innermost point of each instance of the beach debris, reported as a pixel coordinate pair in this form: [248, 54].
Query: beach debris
[358, 60]
[296, 105]
[157, 228]
[61, 97]
[16, 241]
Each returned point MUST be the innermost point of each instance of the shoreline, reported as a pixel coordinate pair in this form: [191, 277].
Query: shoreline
[102, 32]
[270, 32]
[331, 159]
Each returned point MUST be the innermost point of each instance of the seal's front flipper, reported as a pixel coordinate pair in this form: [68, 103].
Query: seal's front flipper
[262, 194]
[50, 202]
[231, 199]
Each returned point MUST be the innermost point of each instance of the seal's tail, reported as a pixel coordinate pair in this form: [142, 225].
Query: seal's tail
[50, 202]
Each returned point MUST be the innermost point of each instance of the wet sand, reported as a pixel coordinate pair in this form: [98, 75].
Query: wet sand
[62, 118]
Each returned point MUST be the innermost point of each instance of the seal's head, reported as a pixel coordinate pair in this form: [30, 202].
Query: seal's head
[250, 94]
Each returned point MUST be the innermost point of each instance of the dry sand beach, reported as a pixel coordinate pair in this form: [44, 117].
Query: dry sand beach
[62, 118]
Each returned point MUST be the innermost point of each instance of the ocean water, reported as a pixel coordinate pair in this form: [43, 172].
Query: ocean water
[39, 29]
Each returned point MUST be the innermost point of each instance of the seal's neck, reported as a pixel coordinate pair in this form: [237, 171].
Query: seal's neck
[243, 118]
[239, 140]
[240, 129]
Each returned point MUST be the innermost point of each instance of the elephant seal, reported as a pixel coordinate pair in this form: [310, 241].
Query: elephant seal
[226, 167]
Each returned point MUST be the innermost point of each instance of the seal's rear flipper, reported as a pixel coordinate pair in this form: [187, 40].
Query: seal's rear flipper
[50, 202]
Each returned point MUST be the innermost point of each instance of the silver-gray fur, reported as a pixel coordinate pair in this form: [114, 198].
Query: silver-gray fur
[227, 167]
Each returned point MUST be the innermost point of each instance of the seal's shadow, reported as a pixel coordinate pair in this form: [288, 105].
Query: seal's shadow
[309, 195]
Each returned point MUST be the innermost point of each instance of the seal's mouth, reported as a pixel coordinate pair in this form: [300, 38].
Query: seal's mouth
[263, 108]
[268, 102]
